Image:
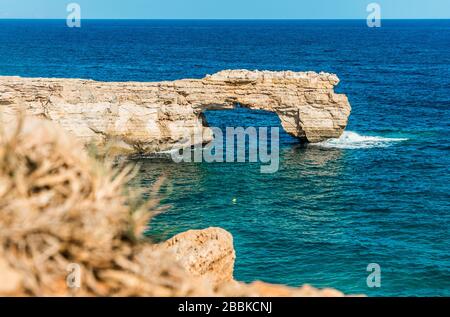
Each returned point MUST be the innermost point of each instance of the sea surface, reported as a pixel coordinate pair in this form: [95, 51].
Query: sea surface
[379, 194]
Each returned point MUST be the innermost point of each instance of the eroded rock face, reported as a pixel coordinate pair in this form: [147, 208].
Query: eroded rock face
[208, 253]
[157, 116]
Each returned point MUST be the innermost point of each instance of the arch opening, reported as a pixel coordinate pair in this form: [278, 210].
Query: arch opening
[245, 117]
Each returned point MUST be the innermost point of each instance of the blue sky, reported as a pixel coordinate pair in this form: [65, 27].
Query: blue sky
[226, 9]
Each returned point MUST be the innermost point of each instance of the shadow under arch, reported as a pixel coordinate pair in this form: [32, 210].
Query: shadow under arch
[244, 116]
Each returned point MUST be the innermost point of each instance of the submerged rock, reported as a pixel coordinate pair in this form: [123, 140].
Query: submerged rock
[140, 117]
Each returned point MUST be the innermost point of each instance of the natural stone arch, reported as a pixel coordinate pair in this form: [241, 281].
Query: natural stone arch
[289, 120]
[156, 116]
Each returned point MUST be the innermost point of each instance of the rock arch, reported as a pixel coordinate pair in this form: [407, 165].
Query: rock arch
[149, 117]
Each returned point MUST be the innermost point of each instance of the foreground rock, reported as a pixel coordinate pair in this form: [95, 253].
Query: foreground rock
[208, 253]
[149, 117]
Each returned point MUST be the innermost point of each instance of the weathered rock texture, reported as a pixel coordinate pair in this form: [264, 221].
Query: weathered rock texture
[143, 117]
[209, 253]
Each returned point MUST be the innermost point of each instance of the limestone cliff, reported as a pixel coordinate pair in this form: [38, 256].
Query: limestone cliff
[142, 117]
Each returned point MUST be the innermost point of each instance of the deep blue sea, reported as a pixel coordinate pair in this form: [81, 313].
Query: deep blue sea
[380, 194]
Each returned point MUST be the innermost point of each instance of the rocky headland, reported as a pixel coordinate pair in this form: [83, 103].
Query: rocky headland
[148, 117]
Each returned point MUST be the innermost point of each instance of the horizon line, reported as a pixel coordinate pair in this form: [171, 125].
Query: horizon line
[222, 19]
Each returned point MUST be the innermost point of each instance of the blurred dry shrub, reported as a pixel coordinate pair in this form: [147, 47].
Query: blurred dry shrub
[59, 205]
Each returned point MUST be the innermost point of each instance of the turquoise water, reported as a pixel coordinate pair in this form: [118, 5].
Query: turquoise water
[380, 194]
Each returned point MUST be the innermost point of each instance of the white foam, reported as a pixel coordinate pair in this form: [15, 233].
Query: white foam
[353, 140]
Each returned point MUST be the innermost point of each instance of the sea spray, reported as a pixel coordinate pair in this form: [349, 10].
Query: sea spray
[353, 140]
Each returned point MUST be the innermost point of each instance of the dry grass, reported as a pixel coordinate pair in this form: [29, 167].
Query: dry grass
[59, 205]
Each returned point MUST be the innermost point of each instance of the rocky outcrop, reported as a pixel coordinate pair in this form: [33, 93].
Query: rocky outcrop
[208, 253]
[262, 289]
[139, 117]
